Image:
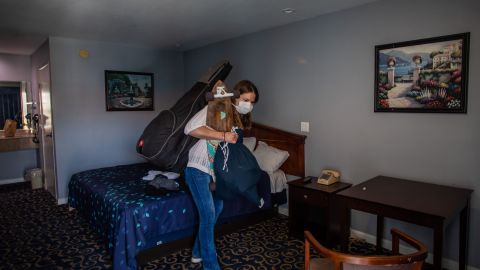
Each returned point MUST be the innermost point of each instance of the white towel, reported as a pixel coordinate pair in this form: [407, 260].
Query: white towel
[278, 181]
[152, 174]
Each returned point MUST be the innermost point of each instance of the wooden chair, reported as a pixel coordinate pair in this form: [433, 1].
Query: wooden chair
[333, 260]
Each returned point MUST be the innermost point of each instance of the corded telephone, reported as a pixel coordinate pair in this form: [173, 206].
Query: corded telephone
[329, 177]
[35, 119]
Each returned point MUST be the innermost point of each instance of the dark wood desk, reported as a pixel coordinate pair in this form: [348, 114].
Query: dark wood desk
[425, 204]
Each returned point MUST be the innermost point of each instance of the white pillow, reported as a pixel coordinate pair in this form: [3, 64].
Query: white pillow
[250, 143]
[268, 157]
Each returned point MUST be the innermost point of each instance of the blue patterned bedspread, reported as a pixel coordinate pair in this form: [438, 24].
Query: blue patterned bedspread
[113, 199]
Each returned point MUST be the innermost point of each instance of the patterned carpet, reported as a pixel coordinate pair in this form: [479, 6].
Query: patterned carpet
[35, 233]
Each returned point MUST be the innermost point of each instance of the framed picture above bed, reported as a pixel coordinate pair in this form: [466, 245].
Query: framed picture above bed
[128, 91]
[426, 75]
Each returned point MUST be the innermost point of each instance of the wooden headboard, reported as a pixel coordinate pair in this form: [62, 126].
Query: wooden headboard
[288, 141]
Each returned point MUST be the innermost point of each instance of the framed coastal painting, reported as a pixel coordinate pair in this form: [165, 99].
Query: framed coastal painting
[128, 91]
[426, 75]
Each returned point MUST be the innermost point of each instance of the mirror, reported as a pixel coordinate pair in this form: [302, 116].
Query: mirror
[16, 103]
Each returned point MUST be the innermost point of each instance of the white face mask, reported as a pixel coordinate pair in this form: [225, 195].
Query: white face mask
[244, 107]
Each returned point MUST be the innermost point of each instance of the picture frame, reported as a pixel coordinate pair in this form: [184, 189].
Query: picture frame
[424, 76]
[129, 91]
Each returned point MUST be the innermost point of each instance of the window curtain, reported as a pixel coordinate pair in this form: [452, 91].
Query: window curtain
[10, 105]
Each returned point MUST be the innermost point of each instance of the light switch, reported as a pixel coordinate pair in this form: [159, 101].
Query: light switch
[305, 126]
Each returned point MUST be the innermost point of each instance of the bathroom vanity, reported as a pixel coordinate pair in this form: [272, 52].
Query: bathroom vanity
[22, 140]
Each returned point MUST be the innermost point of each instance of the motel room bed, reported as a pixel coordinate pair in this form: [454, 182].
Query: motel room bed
[115, 203]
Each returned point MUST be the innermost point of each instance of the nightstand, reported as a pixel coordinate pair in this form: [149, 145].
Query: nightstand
[313, 207]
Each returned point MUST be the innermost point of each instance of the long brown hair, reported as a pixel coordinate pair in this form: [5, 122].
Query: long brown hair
[244, 121]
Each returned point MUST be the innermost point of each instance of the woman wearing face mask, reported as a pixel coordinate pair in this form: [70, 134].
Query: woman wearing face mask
[198, 174]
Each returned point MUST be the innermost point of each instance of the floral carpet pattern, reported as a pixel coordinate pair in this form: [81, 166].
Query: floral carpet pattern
[35, 233]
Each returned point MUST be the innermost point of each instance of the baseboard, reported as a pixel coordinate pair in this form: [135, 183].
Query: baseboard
[62, 201]
[11, 181]
[446, 263]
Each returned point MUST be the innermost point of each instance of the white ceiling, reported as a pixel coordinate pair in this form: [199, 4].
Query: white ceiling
[164, 24]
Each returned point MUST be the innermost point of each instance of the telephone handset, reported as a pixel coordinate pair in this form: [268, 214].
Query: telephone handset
[329, 177]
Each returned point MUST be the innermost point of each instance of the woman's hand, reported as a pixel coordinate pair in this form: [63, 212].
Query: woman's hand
[210, 134]
[231, 137]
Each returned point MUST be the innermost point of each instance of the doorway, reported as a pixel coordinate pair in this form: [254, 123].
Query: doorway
[46, 132]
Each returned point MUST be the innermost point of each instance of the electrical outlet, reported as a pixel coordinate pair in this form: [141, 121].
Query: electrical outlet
[305, 126]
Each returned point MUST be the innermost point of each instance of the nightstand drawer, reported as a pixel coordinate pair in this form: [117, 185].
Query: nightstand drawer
[312, 207]
[308, 196]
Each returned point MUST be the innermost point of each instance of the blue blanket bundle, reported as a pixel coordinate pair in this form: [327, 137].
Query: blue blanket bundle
[237, 171]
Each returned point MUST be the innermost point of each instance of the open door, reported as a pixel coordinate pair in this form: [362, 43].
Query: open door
[47, 147]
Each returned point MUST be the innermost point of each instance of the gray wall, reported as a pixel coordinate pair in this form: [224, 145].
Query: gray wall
[14, 67]
[322, 71]
[86, 135]
[13, 164]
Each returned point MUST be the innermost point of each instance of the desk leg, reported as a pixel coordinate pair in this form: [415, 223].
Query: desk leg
[330, 223]
[344, 220]
[464, 216]
[438, 246]
[379, 233]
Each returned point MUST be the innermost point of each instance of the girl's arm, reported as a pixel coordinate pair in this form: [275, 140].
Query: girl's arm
[204, 132]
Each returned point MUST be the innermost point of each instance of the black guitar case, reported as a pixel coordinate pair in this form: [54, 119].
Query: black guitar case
[163, 142]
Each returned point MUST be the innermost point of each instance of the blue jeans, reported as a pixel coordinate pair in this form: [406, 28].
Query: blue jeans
[209, 208]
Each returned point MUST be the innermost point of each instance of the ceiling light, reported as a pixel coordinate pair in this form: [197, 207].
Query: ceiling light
[288, 10]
